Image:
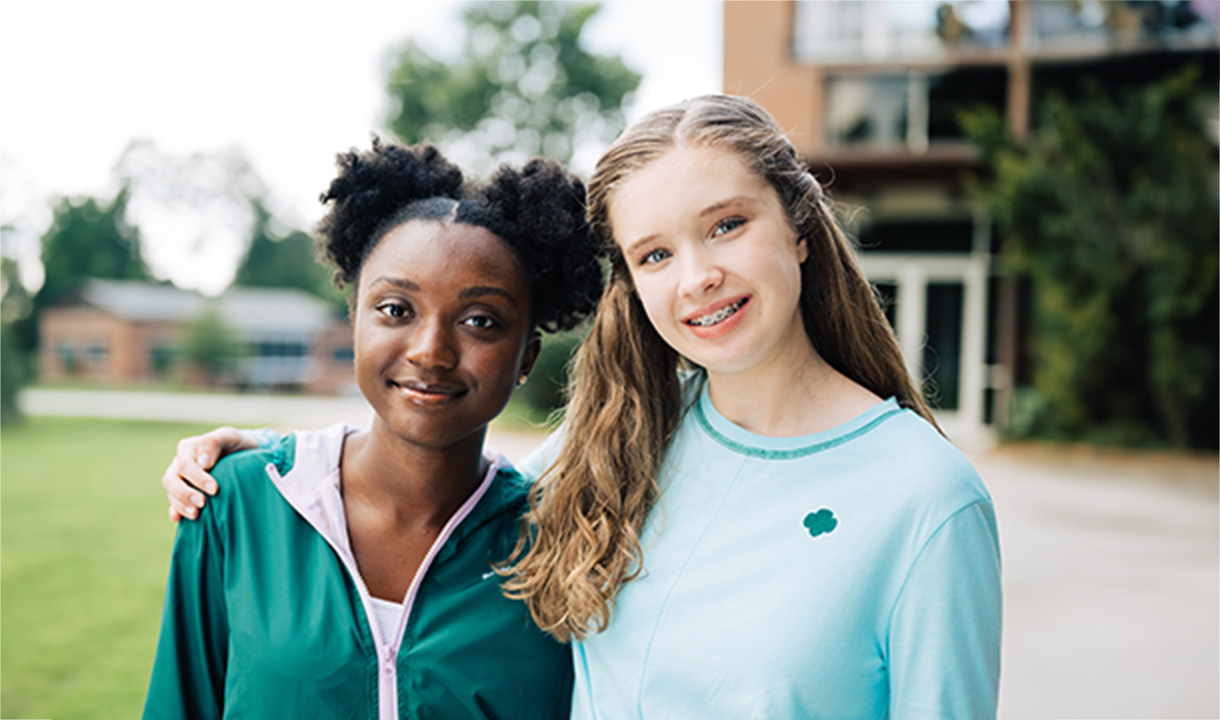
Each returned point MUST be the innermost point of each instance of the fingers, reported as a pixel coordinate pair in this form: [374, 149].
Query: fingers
[187, 475]
[196, 455]
[212, 446]
[186, 480]
[182, 482]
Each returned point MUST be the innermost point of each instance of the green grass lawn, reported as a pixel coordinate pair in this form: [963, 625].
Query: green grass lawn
[84, 549]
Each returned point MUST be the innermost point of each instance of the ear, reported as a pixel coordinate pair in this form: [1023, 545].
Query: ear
[533, 346]
[802, 250]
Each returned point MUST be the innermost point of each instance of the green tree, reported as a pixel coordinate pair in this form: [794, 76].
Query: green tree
[284, 261]
[12, 375]
[210, 346]
[14, 307]
[1111, 210]
[524, 86]
[88, 239]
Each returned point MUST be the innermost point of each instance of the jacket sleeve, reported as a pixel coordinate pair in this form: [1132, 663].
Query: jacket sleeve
[265, 438]
[944, 637]
[188, 675]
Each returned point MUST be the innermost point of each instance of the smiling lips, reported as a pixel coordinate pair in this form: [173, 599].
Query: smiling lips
[718, 316]
[425, 393]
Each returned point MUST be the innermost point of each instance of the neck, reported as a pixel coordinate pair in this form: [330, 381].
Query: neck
[797, 394]
[408, 484]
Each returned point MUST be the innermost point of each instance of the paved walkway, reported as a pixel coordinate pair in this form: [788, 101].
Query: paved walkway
[1111, 560]
[1111, 583]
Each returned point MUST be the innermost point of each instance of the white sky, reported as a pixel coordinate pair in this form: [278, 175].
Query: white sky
[288, 83]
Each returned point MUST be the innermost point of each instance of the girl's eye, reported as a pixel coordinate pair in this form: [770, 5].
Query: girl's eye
[393, 309]
[483, 322]
[728, 225]
[654, 257]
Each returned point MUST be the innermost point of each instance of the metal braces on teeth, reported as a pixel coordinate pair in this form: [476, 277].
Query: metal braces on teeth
[719, 315]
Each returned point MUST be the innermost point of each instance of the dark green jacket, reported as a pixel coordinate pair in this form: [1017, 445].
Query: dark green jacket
[266, 615]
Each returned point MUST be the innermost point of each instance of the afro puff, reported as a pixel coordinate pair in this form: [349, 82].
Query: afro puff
[538, 210]
[542, 210]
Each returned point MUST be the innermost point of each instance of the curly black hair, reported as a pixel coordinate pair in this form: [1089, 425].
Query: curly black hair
[538, 209]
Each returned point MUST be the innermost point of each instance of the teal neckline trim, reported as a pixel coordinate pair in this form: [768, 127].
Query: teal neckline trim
[882, 412]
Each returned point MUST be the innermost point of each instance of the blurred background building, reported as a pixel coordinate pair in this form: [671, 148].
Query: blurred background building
[125, 333]
[872, 93]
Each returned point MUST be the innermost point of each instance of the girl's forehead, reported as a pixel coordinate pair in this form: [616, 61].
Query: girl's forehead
[682, 178]
[446, 236]
[443, 249]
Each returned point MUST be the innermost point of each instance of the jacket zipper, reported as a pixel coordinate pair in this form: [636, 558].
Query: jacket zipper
[387, 653]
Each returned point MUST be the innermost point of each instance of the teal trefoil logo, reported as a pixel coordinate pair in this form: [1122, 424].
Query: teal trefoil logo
[821, 522]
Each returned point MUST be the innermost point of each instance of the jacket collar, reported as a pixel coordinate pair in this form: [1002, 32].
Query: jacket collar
[306, 466]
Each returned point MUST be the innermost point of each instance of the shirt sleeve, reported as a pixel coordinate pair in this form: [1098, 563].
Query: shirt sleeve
[944, 639]
[188, 675]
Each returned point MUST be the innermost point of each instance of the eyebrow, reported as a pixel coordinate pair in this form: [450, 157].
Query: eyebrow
[470, 292]
[709, 210]
[480, 290]
[396, 282]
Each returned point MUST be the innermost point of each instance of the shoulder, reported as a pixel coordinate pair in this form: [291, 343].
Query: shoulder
[909, 456]
[243, 477]
[932, 501]
[509, 491]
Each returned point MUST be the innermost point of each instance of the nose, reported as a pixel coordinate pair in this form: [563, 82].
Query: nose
[432, 346]
[700, 272]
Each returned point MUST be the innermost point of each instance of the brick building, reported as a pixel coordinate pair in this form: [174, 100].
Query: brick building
[129, 333]
[869, 93]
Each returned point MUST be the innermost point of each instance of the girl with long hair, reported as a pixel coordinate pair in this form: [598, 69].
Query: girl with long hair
[749, 510]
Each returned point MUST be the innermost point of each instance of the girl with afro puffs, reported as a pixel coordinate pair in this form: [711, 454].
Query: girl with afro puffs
[347, 573]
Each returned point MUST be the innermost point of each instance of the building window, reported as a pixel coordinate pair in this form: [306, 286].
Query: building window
[851, 31]
[98, 352]
[67, 357]
[922, 235]
[873, 110]
[161, 358]
[942, 353]
[280, 349]
[911, 110]
[1093, 25]
[343, 355]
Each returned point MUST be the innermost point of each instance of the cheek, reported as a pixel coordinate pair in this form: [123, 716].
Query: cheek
[499, 366]
[375, 347]
[781, 267]
[653, 296]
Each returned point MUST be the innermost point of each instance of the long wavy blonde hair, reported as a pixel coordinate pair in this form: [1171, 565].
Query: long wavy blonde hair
[580, 539]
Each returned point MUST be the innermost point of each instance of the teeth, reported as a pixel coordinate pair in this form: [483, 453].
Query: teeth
[719, 315]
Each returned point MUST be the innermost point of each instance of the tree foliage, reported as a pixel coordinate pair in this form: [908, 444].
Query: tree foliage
[1111, 210]
[284, 261]
[14, 307]
[524, 86]
[210, 346]
[88, 239]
